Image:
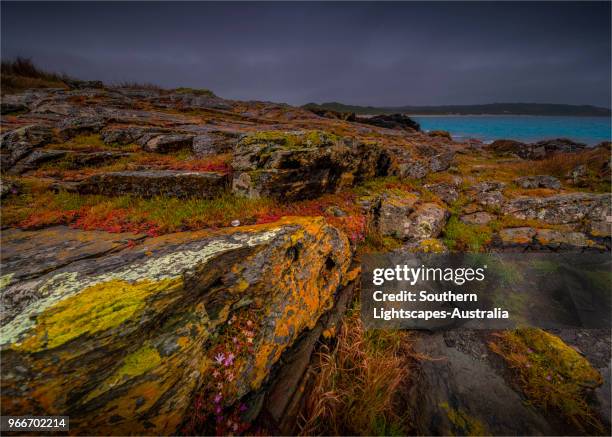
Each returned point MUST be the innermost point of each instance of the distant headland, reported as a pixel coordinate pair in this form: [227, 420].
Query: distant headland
[485, 109]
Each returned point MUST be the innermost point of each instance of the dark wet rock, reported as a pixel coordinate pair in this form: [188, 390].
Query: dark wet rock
[168, 143]
[540, 181]
[182, 184]
[302, 164]
[171, 299]
[71, 127]
[457, 391]
[477, 218]
[18, 143]
[392, 121]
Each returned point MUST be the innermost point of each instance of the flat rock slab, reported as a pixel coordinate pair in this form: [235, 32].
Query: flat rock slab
[182, 184]
[27, 254]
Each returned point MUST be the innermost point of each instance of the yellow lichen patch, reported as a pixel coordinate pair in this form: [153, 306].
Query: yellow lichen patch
[464, 423]
[97, 308]
[550, 373]
[135, 364]
[431, 245]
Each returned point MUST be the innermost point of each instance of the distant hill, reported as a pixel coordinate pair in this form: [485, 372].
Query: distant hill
[488, 109]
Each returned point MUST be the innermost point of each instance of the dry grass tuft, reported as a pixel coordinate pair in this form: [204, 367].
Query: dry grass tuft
[21, 74]
[357, 383]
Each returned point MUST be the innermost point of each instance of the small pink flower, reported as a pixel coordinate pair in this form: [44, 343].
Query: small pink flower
[528, 365]
[235, 427]
[218, 398]
[529, 351]
[235, 340]
[216, 373]
[548, 377]
[219, 358]
[243, 408]
[229, 360]
[249, 323]
[230, 376]
[218, 409]
[219, 385]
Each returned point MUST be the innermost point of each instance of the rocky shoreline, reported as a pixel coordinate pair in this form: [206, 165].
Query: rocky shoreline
[172, 261]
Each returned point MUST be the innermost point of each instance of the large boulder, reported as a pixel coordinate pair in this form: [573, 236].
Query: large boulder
[126, 343]
[404, 218]
[537, 150]
[302, 164]
[18, 143]
[171, 183]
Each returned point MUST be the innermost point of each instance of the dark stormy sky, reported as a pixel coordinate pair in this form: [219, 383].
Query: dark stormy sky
[359, 53]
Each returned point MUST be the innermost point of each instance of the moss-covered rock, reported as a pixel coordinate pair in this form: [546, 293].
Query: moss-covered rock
[125, 342]
[303, 164]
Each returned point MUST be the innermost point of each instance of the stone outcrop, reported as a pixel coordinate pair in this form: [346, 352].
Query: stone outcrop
[302, 164]
[18, 143]
[574, 208]
[544, 239]
[537, 150]
[171, 183]
[71, 127]
[123, 342]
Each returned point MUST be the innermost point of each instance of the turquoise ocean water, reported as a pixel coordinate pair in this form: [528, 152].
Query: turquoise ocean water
[589, 130]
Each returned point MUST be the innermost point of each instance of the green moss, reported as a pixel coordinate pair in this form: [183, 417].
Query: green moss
[292, 140]
[462, 236]
[550, 373]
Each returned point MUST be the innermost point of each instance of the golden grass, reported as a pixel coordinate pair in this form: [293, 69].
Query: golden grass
[357, 383]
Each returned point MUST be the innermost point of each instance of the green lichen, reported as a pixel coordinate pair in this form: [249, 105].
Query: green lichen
[5, 280]
[292, 140]
[463, 422]
[96, 308]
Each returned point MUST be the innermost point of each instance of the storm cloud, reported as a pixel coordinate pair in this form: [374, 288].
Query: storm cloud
[357, 53]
